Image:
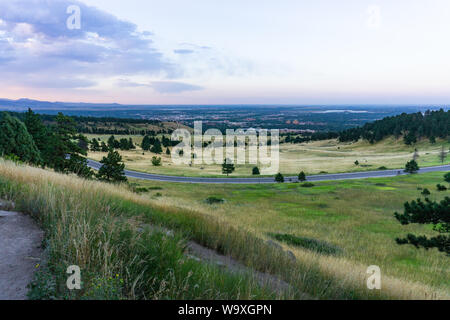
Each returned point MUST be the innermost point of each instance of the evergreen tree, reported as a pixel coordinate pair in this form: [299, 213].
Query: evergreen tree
[123, 144]
[428, 212]
[228, 167]
[113, 143]
[442, 154]
[131, 145]
[64, 152]
[16, 141]
[302, 176]
[279, 178]
[447, 177]
[412, 167]
[168, 152]
[95, 146]
[146, 144]
[38, 131]
[157, 148]
[113, 168]
[256, 171]
[104, 147]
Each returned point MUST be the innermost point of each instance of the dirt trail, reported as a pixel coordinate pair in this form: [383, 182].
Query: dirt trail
[20, 252]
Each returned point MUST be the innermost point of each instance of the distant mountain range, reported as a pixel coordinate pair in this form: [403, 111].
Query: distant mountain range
[24, 104]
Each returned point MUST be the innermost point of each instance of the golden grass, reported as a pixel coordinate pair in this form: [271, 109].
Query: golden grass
[312, 158]
[74, 199]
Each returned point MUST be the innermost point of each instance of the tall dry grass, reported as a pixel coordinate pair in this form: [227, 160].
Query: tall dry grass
[95, 225]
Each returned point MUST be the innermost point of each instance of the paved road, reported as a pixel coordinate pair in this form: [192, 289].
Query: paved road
[325, 177]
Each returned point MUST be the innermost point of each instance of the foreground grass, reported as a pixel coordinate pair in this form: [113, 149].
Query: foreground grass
[354, 218]
[96, 226]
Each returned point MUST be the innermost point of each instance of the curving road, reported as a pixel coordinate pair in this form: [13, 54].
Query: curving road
[325, 177]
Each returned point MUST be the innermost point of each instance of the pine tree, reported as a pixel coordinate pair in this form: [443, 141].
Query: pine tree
[302, 176]
[168, 152]
[104, 147]
[442, 154]
[112, 169]
[428, 212]
[156, 147]
[279, 178]
[447, 177]
[411, 167]
[146, 144]
[228, 167]
[15, 140]
[95, 146]
[38, 131]
[256, 171]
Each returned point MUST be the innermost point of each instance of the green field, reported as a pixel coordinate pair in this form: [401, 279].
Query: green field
[354, 216]
[313, 158]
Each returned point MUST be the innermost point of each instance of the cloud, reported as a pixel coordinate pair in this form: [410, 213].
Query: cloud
[35, 42]
[161, 86]
[173, 87]
[183, 51]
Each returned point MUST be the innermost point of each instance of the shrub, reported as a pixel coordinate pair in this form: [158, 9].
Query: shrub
[307, 185]
[307, 243]
[426, 192]
[256, 171]
[441, 187]
[214, 200]
[156, 161]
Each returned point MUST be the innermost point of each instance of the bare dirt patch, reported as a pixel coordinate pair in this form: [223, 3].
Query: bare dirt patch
[20, 252]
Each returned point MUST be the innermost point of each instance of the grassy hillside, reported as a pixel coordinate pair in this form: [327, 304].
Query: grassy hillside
[313, 158]
[356, 217]
[102, 228]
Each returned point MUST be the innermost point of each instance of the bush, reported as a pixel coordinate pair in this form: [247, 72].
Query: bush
[441, 187]
[307, 185]
[214, 200]
[307, 243]
[256, 171]
[426, 192]
[156, 161]
[382, 168]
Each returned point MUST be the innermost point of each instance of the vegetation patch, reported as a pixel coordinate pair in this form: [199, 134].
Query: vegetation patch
[318, 246]
[214, 200]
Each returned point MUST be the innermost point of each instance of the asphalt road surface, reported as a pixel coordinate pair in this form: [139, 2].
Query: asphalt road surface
[325, 177]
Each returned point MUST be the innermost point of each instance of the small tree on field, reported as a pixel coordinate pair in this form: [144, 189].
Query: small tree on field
[356, 163]
[256, 171]
[302, 176]
[95, 146]
[156, 161]
[168, 151]
[447, 177]
[442, 154]
[157, 148]
[113, 168]
[104, 147]
[279, 178]
[428, 212]
[411, 167]
[228, 167]
[416, 155]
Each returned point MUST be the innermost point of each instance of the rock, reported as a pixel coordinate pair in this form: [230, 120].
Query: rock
[291, 255]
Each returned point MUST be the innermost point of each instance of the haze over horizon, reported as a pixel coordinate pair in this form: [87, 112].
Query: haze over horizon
[376, 52]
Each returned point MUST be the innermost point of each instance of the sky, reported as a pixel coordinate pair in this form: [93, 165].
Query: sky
[226, 52]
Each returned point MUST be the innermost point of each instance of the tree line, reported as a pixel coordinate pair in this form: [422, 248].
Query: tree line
[412, 127]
